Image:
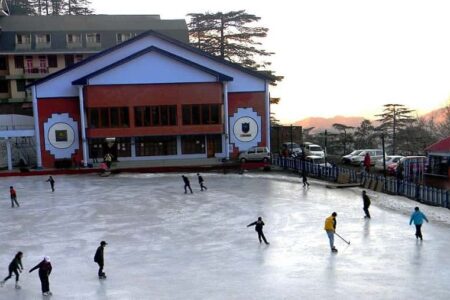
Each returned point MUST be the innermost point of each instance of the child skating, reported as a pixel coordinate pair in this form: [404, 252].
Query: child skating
[99, 259]
[305, 179]
[52, 183]
[187, 184]
[13, 195]
[14, 267]
[259, 229]
[366, 204]
[200, 181]
[45, 268]
[417, 218]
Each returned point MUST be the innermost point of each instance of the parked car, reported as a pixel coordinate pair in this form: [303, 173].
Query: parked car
[315, 159]
[293, 148]
[313, 149]
[390, 159]
[346, 159]
[415, 164]
[375, 154]
[255, 154]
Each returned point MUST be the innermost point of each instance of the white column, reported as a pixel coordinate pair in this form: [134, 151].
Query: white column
[267, 99]
[36, 128]
[227, 129]
[179, 145]
[8, 152]
[133, 146]
[83, 125]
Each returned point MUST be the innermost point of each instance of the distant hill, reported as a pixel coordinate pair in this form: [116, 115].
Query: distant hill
[438, 115]
[320, 124]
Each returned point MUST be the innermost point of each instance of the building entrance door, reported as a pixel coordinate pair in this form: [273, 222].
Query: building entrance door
[211, 144]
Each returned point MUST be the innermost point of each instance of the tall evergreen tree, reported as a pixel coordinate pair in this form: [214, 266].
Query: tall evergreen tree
[394, 118]
[364, 136]
[21, 7]
[231, 36]
[344, 138]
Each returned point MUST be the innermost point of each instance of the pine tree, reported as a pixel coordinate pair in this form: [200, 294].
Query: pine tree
[21, 7]
[230, 36]
[394, 118]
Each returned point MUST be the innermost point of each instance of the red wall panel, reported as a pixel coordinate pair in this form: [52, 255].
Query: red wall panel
[255, 100]
[47, 107]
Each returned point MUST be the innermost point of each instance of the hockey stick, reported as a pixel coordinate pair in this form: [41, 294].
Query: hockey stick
[342, 238]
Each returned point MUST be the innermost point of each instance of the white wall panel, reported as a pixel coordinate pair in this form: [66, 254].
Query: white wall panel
[152, 67]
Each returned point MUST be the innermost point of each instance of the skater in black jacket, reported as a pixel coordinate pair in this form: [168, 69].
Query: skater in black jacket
[366, 203]
[14, 267]
[200, 181]
[187, 184]
[98, 258]
[305, 179]
[45, 268]
[259, 229]
[52, 183]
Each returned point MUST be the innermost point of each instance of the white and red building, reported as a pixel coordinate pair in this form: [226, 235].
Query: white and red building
[151, 97]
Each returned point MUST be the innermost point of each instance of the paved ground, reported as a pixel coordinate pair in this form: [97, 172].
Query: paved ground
[164, 244]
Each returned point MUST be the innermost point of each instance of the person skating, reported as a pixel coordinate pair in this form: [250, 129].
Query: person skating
[366, 203]
[52, 183]
[330, 228]
[417, 217]
[304, 179]
[259, 229]
[366, 162]
[108, 160]
[45, 268]
[200, 181]
[98, 258]
[187, 184]
[13, 194]
[14, 267]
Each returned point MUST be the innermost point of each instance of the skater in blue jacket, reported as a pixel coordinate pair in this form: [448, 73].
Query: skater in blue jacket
[417, 217]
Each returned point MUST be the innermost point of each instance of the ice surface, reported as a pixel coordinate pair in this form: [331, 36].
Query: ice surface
[164, 244]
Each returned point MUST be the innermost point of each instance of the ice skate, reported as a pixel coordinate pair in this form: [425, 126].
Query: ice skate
[18, 286]
[334, 250]
[102, 276]
[45, 294]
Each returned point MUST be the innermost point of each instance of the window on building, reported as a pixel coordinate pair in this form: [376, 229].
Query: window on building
[4, 86]
[164, 115]
[3, 63]
[20, 83]
[23, 39]
[69, 60]
[52, 61]
[122, 37]
[73, 38]
[156, 145]
[19, 62]
[204, 114]
[112, 117]
[42, 38]
[92, 38]
[193, 144]
[123, 145]
[215, 141]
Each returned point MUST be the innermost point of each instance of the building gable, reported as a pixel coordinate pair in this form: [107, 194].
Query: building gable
[152, 65]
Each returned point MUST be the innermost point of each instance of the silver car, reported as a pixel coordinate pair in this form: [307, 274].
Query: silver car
[255, 154]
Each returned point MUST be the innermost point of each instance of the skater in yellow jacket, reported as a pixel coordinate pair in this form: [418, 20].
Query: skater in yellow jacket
[330, 228]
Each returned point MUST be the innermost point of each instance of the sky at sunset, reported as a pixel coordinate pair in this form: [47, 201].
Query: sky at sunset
[339, 57]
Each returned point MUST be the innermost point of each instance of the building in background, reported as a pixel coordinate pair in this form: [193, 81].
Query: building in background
[150, 97]
[439, 158]
[32, 47]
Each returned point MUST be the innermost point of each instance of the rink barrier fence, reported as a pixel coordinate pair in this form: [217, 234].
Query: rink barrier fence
[389, 185]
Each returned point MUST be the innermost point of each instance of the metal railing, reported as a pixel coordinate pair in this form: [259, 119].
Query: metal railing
[389, 185]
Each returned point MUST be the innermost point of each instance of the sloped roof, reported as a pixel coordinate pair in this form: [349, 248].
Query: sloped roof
[441, 146]
[163, 37]
[219, 76]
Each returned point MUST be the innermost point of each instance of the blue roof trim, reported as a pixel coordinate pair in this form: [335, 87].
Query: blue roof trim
[163, 37]
[219, 76]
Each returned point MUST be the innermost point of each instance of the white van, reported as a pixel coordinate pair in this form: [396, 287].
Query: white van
[313, 149]
[375, 154]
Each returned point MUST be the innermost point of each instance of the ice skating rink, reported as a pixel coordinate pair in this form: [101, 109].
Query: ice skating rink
[164, 244]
